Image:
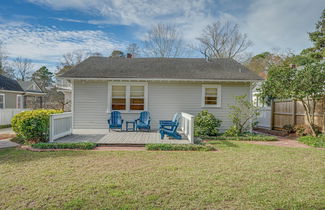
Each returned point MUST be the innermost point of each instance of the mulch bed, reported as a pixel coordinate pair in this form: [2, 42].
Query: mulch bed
[29, 148]
[271, 132]
[7, 136]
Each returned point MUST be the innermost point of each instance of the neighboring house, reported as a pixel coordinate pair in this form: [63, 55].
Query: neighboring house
[65, 87]
[15, 95]
[162, 86]
[33, 97]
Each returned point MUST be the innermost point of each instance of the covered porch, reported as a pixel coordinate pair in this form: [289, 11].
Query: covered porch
[61, 131]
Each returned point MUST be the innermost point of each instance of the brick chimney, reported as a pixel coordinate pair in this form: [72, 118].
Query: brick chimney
[128, 55]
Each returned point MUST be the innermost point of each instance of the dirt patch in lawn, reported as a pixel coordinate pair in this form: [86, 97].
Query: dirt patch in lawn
[7, 136]
[282, 141]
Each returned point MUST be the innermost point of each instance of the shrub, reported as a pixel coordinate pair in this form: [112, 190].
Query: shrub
[300, 130]
[242, 114]
[80, 145]
[232, 131]
[206, 124]
[255, 137]
[33, 125]
[179, 147]
[313, 141]
[303, 130]
[288, 128]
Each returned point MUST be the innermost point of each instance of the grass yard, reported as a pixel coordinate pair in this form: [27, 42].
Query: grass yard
[238, 176]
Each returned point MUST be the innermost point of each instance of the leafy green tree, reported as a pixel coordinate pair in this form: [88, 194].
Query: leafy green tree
[263, 61]
[43, 77]
[317, 52]
[306, 85]
[117, 53]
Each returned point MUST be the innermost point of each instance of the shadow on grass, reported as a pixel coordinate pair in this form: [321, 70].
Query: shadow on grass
[224, 143]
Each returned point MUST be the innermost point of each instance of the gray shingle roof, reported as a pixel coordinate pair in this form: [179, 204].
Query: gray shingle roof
[9, 84]
[161, 68]
[27, 86]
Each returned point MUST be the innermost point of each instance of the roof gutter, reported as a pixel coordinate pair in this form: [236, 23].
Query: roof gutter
[160, 79]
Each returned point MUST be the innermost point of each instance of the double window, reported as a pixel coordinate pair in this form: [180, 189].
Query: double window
[128, 97]
[2, 101]
[211, 96]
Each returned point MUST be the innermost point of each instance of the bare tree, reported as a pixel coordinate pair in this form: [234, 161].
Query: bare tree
[134, 50]
[71, 59]
[3, 60]
[164, 41]
[22, 68]
[222, 41]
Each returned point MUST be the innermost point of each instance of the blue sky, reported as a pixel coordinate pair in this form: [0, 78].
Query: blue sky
[44, 30]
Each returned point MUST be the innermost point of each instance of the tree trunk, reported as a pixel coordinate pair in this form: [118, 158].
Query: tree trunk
[309, 118]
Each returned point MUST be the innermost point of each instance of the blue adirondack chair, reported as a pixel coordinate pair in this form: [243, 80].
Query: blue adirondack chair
[169, 123]
[116, 121]
[169, 128]
[144, 121]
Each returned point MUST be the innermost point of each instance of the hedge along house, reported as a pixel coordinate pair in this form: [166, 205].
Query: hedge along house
[162, 86]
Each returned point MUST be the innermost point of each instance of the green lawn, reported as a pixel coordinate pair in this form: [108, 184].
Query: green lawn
[239, 176]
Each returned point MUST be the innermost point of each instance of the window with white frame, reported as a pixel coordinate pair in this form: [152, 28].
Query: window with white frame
[19, 102]
[129, 97]
[136, 97]
[211, 96]
[118, 97]
[2, 101]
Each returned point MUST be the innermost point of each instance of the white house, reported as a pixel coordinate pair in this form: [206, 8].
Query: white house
[162, 86]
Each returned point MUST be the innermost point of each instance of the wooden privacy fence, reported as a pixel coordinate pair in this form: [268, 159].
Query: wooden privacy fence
[60, 125]
[289, 112]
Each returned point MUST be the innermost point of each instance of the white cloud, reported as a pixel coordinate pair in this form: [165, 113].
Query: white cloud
[281, 23]
[46, 45]
[269, 24]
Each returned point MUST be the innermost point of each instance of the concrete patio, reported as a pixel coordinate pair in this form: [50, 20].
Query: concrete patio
[102, 136]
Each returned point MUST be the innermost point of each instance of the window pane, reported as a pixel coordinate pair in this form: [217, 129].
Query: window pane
[137, 91]
[137, 104]
[118, 91]
[137, 88]
[210, 102]
[118, 107]
[136, 107]
[1, 102]
[211, 96]
[211, 91]
[118, 104]
[19, 102]
[118, 97]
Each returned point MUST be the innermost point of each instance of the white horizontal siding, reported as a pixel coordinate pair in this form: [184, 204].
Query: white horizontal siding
[164, 100]
[90, 104]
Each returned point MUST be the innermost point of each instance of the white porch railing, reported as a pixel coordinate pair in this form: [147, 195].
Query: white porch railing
[7, 114]
[60, 125]
[187, 126]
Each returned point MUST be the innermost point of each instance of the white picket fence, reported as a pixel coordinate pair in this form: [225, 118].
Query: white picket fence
[7, 114]
[60, 125]
[264, 119]
[187, 126]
